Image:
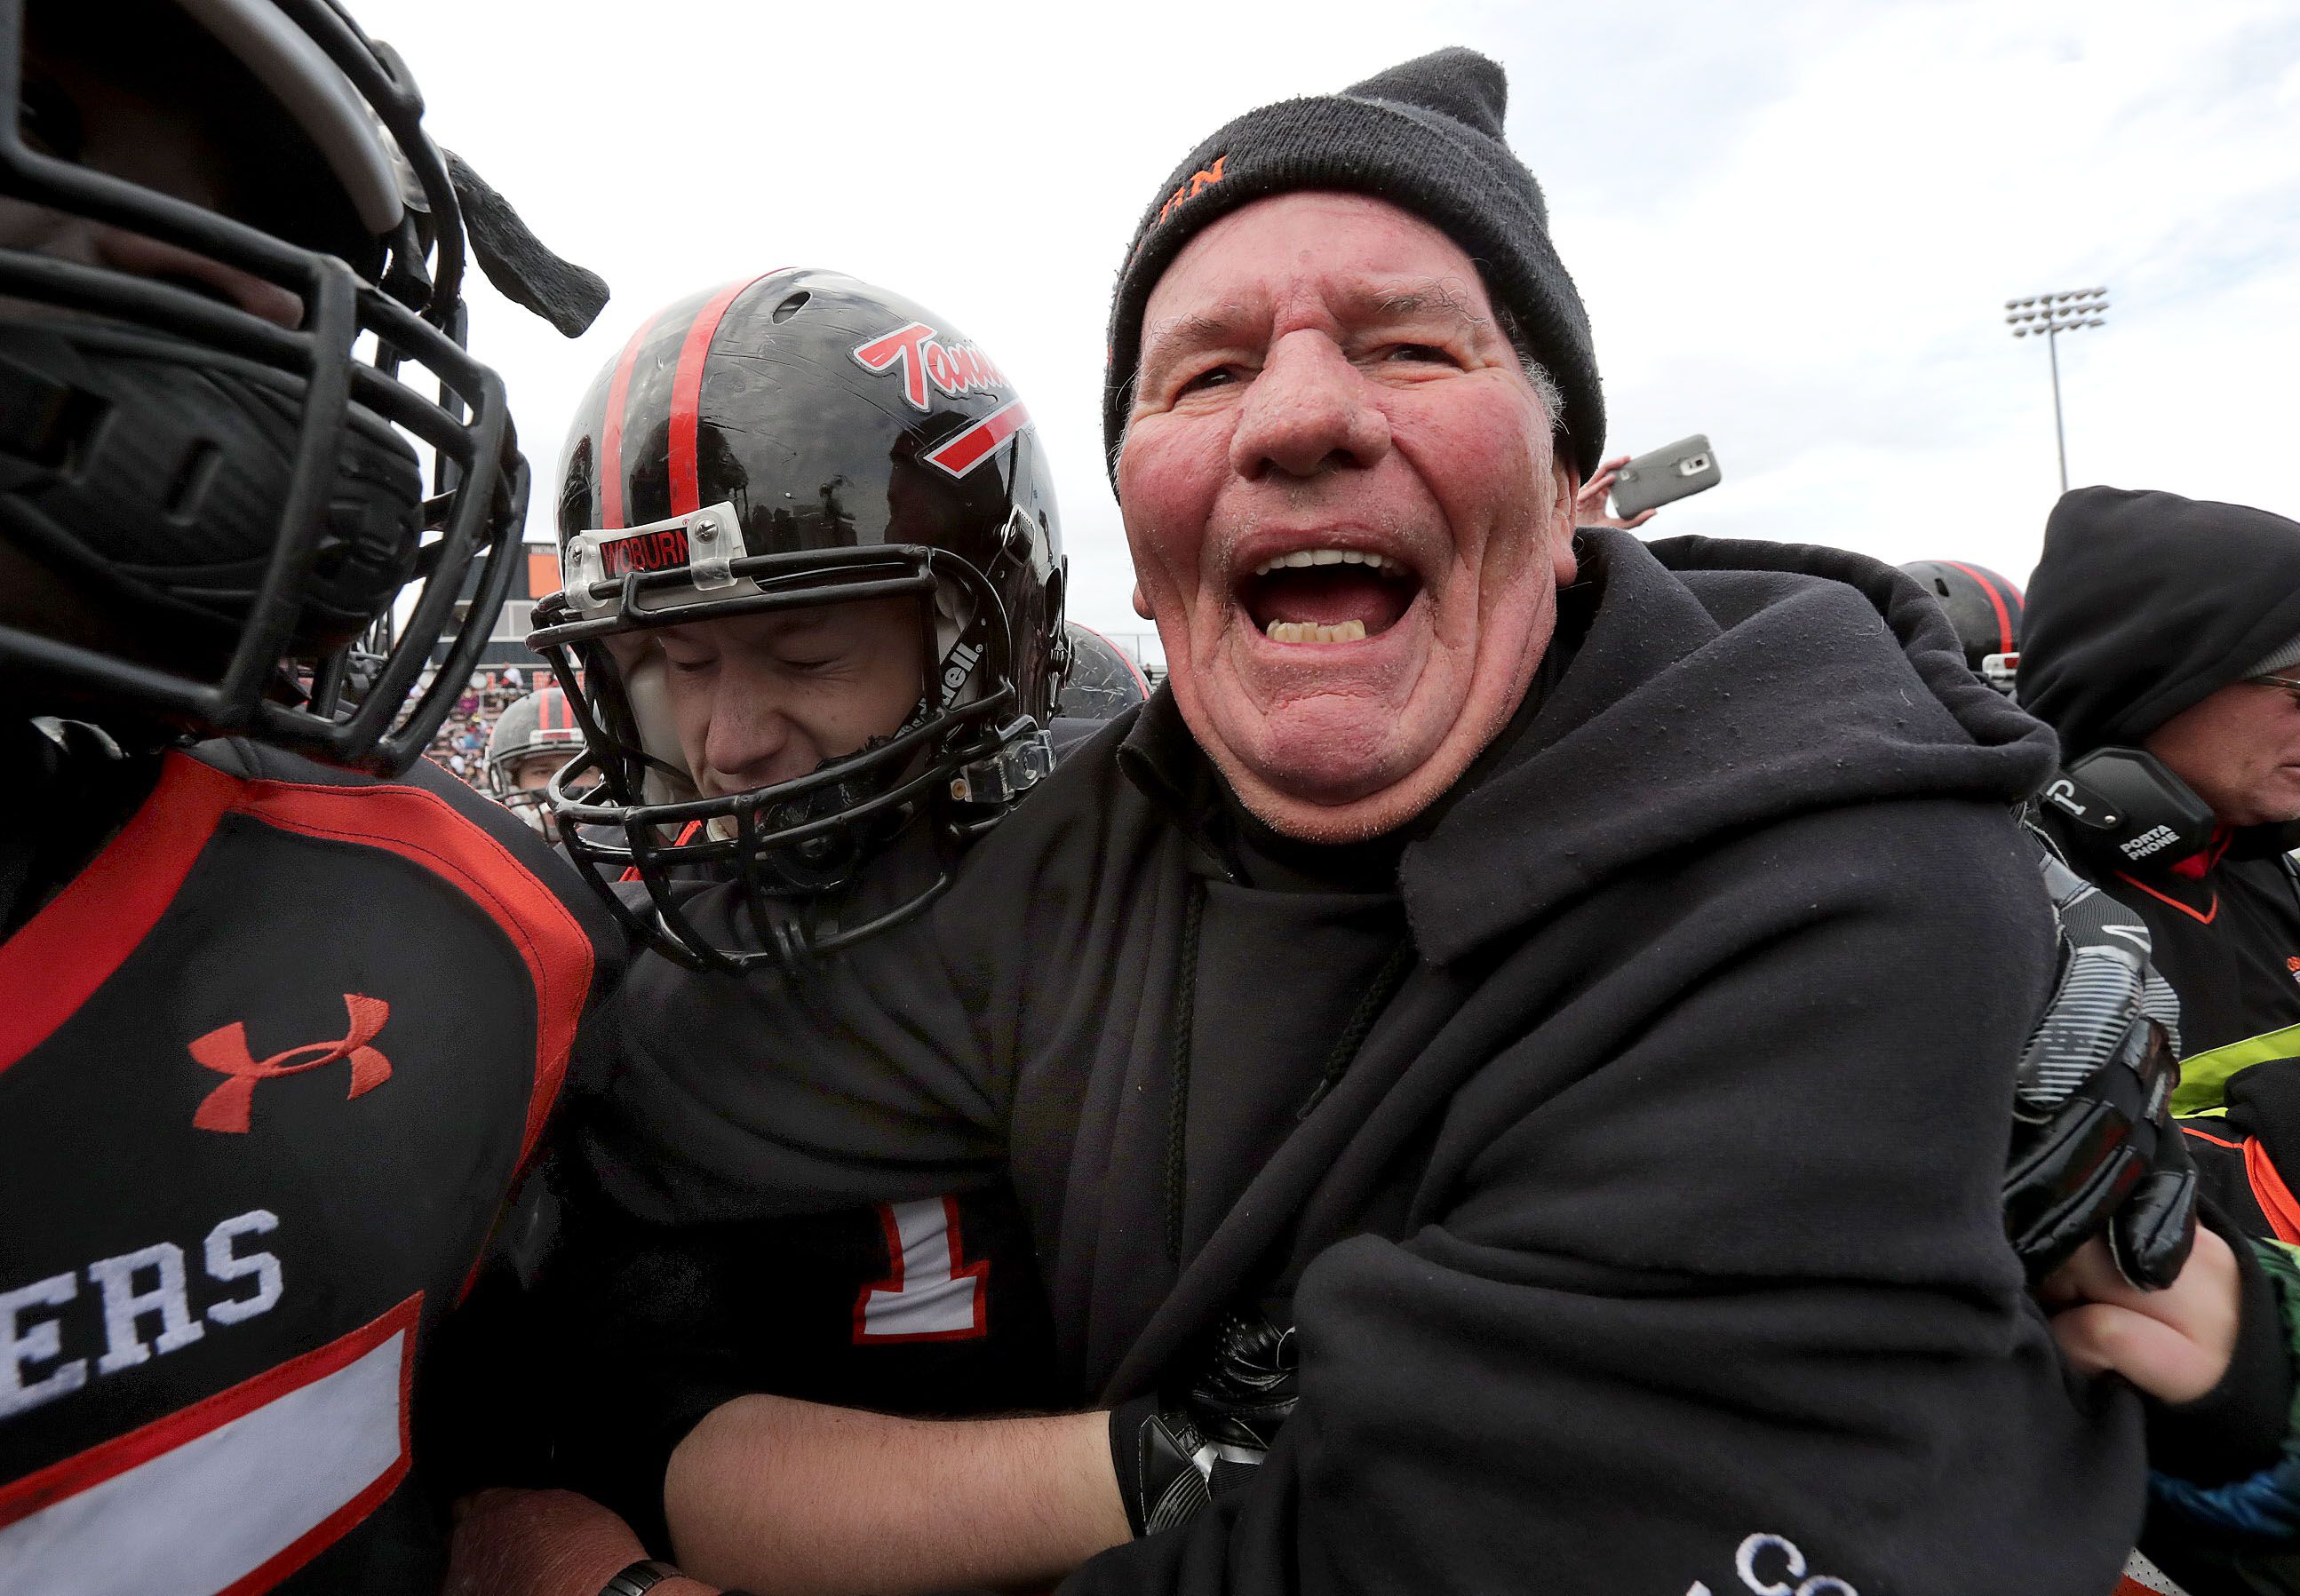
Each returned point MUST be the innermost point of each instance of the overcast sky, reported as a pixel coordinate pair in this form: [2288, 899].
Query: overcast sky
[1794, 224]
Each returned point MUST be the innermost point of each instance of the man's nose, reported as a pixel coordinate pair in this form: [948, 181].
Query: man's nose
[748, 728]
[1308, 410]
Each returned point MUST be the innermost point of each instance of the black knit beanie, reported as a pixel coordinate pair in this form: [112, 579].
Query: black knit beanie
[1427, 137]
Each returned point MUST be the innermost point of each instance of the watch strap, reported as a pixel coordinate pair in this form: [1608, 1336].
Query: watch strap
[638, 1579]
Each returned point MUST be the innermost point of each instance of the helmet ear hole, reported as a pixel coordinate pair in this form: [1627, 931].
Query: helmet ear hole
[792, 306]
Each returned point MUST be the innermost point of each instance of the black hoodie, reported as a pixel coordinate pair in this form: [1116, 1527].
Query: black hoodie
[1650, 1240]
[2147, 602]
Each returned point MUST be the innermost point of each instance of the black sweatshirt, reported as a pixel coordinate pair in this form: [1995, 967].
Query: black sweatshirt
[1654, 1223]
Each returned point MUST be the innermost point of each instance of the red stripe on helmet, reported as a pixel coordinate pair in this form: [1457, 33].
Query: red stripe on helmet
[980, 441]
[687, 396]
[611, 430]
[2003, 617]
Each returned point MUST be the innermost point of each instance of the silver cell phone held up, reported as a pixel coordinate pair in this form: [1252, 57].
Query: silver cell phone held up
[1681, 471]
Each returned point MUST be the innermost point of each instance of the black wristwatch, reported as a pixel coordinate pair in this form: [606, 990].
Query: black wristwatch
[644, 1576]
[638, 1579]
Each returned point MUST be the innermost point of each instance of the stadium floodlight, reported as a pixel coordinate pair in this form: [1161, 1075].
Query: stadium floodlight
[2049, 316]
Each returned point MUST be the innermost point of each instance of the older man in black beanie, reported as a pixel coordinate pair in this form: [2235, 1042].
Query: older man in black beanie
[1508, 1093]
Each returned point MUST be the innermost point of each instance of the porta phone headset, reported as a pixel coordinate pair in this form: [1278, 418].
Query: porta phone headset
[2130, 808]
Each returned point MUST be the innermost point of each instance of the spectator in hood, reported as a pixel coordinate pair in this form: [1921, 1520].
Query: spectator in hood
[2162, 638]
[2162, 642]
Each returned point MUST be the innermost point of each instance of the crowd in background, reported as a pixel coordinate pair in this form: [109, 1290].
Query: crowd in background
[460, 746]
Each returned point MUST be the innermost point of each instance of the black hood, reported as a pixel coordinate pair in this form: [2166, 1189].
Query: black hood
[2147, 602]
[1721, 685]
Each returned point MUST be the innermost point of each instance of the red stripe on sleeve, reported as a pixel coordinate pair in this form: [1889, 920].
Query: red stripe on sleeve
[57, 958]
[687, 396]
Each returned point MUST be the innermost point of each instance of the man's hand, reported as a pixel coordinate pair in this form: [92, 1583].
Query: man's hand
[1180, 1450]
[1589, 503]
[2176, 1344]
[2094, 1146]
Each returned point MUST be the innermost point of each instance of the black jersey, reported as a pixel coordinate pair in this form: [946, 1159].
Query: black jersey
[646, 1306]
[268, 1065]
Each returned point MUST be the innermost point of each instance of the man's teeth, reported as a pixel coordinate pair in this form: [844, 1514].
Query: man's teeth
[1310, 631]
[1328, 557]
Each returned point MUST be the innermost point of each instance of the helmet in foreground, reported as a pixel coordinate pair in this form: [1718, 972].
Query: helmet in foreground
[216, 493]
[797, 440]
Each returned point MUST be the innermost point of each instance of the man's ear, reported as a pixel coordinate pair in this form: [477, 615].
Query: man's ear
[1142, 603]
[1568, 480]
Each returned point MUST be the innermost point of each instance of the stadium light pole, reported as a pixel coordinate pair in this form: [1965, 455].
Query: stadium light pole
[2049, 316]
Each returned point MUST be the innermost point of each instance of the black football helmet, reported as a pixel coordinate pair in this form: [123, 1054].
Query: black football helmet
[1983, 607]
[800, 438]
[233, 504]
[540, 723]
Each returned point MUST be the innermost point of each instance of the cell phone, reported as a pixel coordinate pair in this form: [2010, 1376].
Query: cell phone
[1685, 467]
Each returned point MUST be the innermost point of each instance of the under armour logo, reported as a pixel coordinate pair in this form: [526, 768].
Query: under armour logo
[225, 1051]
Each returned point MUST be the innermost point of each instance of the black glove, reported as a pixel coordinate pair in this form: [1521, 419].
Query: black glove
[1176, 1451]
[2093, 1145]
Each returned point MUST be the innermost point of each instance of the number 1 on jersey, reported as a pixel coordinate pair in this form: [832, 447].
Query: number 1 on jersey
[933, 1293]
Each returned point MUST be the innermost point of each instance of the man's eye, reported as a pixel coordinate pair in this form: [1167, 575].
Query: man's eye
[822, 663]
[1420, 355]
[686, 667]
[1213, 377]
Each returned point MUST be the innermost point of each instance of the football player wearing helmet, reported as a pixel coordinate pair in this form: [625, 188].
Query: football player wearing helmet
[815, 504]
[532, 738]
[813, 604]
[279, 1016]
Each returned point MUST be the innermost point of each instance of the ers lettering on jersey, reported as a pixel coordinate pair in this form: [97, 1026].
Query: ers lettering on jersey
[230, 1493]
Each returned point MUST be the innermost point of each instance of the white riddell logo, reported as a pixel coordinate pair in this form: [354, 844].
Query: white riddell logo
[2150, 842]
[1772, 1565]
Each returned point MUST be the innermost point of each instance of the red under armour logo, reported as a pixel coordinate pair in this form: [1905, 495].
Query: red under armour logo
[225, 1051]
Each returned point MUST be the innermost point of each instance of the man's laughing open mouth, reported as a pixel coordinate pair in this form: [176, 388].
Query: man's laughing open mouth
[1328, 594]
